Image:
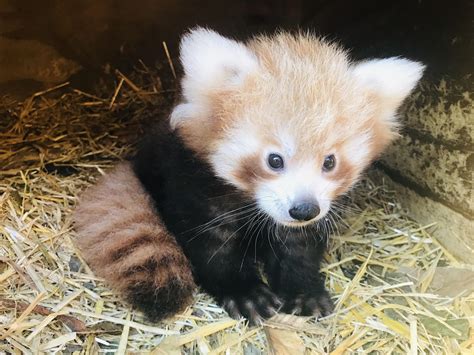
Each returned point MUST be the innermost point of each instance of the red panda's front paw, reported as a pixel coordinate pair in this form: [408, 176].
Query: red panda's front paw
[318, 304]
[256, 305]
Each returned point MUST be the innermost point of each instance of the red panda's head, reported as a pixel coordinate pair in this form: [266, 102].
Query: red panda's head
[288, 118]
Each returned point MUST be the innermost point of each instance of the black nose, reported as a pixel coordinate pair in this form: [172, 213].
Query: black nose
[304, 211]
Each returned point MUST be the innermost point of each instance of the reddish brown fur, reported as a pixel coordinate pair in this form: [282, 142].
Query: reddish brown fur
[123, 240]
[251, 170]
[345, 174]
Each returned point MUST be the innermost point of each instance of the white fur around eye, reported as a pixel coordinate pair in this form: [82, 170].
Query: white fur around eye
[229, 153]
[277, 196]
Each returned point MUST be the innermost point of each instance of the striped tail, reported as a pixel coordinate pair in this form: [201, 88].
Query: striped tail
[122, 239]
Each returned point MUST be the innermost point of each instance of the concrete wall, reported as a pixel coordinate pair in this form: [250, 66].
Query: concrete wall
[432, 163]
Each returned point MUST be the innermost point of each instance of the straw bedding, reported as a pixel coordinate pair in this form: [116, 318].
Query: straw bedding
[396, 288]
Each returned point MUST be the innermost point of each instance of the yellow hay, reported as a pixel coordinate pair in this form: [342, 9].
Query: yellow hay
[380, 267]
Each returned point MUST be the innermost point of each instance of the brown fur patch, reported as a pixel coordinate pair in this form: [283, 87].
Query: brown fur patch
[123, 240]
[345, 174]
[251, 171]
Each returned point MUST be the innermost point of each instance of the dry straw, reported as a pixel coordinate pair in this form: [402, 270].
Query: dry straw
[395, 287]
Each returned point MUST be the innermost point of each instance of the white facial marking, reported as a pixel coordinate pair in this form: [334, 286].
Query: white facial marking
[287, 142]
[357, 149]
[242, 143]
[295, 185]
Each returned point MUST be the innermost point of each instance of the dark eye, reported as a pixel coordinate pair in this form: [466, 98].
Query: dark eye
[329, 162]
[275, 161]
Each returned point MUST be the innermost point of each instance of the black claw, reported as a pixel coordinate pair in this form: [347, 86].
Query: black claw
[310, 307]
[317, 304]
[256, 305]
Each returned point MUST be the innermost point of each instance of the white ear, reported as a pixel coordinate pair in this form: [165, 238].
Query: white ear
[211, 63]
[207, 56]
[392, 79]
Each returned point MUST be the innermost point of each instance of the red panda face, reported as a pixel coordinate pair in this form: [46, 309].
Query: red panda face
[288, 119]
[293, 171]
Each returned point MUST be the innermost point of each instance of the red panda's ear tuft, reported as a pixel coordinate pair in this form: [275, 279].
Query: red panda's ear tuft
[211, 63]
[387, 82]
[390, 80]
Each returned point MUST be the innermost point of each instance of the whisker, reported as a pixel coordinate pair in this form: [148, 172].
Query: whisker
[241, 215]
[261, 224]
[276, 231]
[227, 214]
[225, 242]
[269, 240]
[251, 226]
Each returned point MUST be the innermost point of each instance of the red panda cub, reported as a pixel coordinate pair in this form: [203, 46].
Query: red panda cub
[267, 135]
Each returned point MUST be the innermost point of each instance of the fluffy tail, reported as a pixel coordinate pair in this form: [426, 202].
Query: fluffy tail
[123, 241]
